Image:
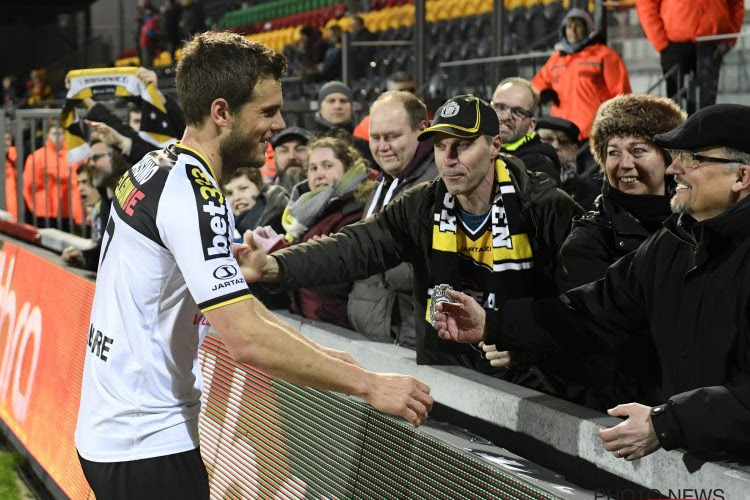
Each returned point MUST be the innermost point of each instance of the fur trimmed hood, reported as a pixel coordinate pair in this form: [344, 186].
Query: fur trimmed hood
[639, 115]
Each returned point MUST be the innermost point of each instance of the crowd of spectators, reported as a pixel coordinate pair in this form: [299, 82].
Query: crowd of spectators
[488, 197]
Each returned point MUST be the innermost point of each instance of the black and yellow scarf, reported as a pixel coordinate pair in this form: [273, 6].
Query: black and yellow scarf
[118, 82]
[493, 263]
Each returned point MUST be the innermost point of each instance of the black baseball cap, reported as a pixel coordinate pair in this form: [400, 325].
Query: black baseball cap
[288, 134]
[463, 116]
[719, 125]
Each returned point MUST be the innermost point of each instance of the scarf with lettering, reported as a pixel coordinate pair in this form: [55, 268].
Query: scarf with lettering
[97, 83]
[493, 263]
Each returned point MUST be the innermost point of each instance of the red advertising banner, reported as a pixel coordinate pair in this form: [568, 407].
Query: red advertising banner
[44, 315]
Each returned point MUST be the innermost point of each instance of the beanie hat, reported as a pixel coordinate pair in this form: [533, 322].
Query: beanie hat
[334, 86]
[639, 115]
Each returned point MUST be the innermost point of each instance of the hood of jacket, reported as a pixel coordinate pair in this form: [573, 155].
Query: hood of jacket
[591, 34]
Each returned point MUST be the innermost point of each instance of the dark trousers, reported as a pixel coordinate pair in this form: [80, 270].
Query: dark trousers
[180, 476]
[703, 61]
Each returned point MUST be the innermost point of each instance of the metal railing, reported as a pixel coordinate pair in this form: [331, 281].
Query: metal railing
[44, 191]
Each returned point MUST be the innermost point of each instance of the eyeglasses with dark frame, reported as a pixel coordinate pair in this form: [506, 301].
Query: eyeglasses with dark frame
[517, 112]
[689, 159]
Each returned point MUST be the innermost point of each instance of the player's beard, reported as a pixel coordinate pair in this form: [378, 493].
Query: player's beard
[237, 151]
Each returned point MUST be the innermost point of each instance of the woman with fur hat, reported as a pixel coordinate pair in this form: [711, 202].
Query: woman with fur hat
[633, 204]
[635, 193]
[583, 73]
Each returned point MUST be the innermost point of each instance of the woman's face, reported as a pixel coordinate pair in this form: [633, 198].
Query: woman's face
[323, 168]
[635, 166]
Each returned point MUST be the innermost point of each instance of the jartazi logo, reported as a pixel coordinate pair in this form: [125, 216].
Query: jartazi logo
[225, 272]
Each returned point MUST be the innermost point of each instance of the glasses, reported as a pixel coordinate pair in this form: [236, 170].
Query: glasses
[692, 160]
[100, 155]
[517, 112]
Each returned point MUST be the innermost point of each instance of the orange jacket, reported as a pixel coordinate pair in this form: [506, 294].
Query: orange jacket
[667, 21]
[11, 196]
[583, 80]
[47, 200]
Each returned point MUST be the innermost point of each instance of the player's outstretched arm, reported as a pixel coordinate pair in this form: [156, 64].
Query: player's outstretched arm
[255, 336]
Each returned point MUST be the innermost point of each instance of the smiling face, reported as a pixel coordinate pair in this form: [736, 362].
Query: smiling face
[704, 191]
[253, 125]
[323, 169]
[393, 143]
[336, 108]
[241, 193]
[635, 166]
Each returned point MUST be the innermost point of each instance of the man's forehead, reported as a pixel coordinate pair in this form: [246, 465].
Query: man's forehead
[291, 143]
[443, 138]
[388, 116]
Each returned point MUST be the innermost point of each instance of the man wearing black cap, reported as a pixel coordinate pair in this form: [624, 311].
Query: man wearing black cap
[678, 304]
[579, 178]
[290, 154]
[485, 225]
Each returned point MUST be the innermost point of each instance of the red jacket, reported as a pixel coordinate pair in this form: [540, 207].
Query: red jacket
[583, 80]
[667, 21]
[11, 196]
[45, 199]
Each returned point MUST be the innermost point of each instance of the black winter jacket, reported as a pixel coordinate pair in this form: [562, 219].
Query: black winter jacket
[402, 232]
[597, 239]
[684, 296]
[538, 157]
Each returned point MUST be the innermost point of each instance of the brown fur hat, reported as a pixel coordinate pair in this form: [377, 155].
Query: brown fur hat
[639, 115]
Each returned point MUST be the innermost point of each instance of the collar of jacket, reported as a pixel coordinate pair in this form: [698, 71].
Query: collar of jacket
[512, 146]
[325, 125]
[417, 165]
[714, 235]
[529, 185]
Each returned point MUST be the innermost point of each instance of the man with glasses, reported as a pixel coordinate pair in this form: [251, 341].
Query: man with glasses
[515, 103]
[677, 306]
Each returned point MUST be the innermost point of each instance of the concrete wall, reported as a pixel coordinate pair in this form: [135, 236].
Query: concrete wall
[567, 427]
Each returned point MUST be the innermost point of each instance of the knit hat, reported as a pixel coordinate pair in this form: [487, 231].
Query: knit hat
[334, 86]
[638, 115]
[464, 116]
[720, 125]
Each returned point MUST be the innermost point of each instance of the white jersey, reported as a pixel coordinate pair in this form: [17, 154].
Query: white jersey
[166, 258]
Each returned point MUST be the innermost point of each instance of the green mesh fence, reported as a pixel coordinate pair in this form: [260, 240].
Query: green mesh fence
[265, 438]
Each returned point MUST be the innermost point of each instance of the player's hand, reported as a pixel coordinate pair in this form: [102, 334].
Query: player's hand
[462, 321]
[400, 395]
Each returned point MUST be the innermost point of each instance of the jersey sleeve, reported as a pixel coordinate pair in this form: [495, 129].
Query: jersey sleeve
[196, 226]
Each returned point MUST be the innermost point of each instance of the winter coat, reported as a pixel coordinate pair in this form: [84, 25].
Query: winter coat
[583, 77]
[536, 155]
[677, 307]
[46, 169]
[382, 306]
[402, 232]
[666, 21]
[266, 212]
